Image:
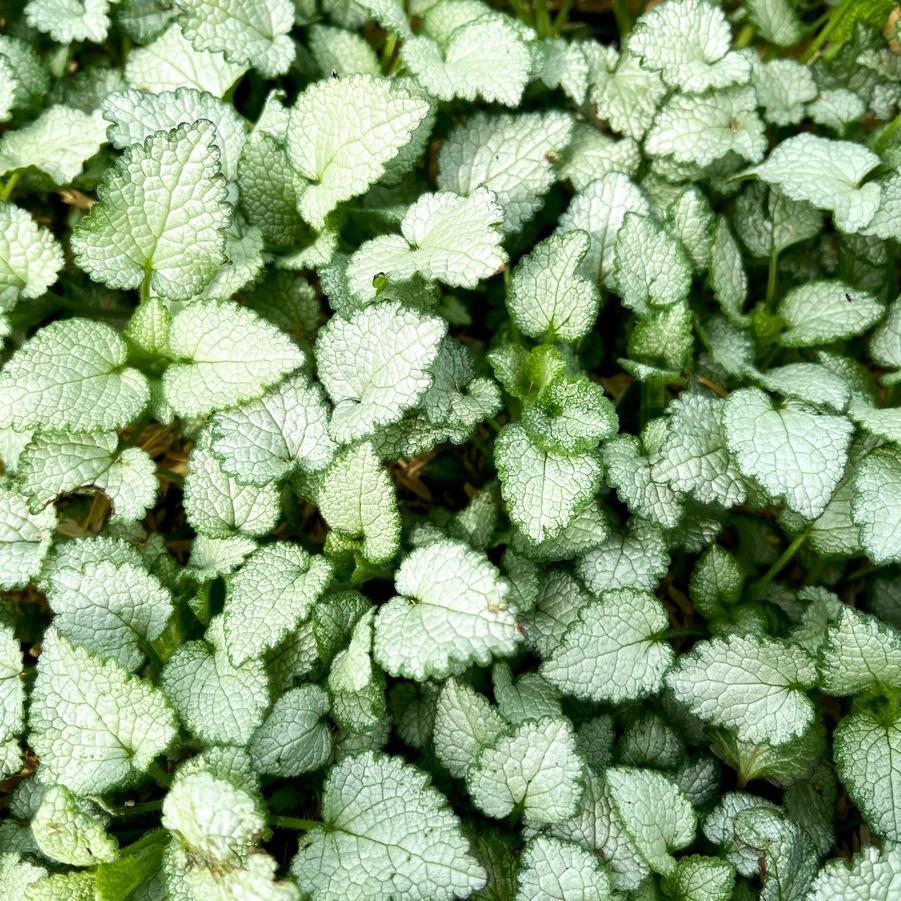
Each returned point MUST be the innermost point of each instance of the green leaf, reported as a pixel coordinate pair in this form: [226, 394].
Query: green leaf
[703, 128]
[626, 94]
[138, 115]
[601, 210]
[485, 57]
[827, 174]
[113, 610]
[795, 453]
[450, 611]
[71, 375]
[465, 722]
[756, 686]
[693, 456]
[224, 355]
[820, 312]
[375, 366]
[655, 813]
[543, 490]
[548, 295]
[266, 439]
[160, 218]
[58, 143]
[634, 558]
[269, 596]
[255, 34]
[643, 491]
[342, 135]
[170, 62]
[219, 701]
[787, 859]
[689, 43]
[552, 869]
[12, 691]
[700, 878]
[386, 832]
[295, 737]
[533, 769]
[74, 21]
[218, 507]
[25, 539]
[872, 873]
[627, 659]
[860, 654]
[67, 829]
[357, 500]
[876, 504]
[93, 724]
[511, 155]
[867, 754]
[444, 237]
[55, 464]
[651, 266]
[30, 257]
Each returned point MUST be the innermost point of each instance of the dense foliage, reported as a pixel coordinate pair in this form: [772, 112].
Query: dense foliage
[450, 450]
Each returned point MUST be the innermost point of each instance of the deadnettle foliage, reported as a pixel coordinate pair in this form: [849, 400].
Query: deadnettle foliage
[450, 449]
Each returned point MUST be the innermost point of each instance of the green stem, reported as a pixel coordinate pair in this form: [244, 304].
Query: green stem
[679, 633]
[562, 19]
[522, 12]
[888, 133]
[159, 775]
[785, 558]
[542, 19]
[772, 276]
[133, 810]
[388, 52]
[835, 17]
[294, 823]
[623, 19]
[745, 36]
[11, 182]
[170, 475]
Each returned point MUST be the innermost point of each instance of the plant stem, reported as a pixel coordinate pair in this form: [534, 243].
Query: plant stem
[11, 182]
[837, 14]
[772, 276]
[542, 19]
[679, 633]
[294, 823]
[562, 19]
[170, 475]
[133, 810]
[523, 13]
[623, 19]
[888, 133]
[159, 775]
[388, 52]
[785, 558]
[745, 36]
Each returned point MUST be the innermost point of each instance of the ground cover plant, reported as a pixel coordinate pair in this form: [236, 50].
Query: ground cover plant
[450, 450]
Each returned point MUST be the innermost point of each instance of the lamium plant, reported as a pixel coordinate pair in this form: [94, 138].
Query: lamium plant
[450, 449]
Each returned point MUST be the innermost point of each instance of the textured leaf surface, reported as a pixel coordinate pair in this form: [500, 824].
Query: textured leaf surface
[219, 701]
[342, 134]
[534, 768]
[269, 596]
[451, 611]
[387, 833]
[511, 155]
[375, 366]
[793, 452]
[444, 237]
[612, 653]
[876, 504]
[160, 217]
[94, 725]
[655, 813]
[25, 539]
[543, 490]
[755, 686]
[71, 375]
[30, 257]
[266, 439]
